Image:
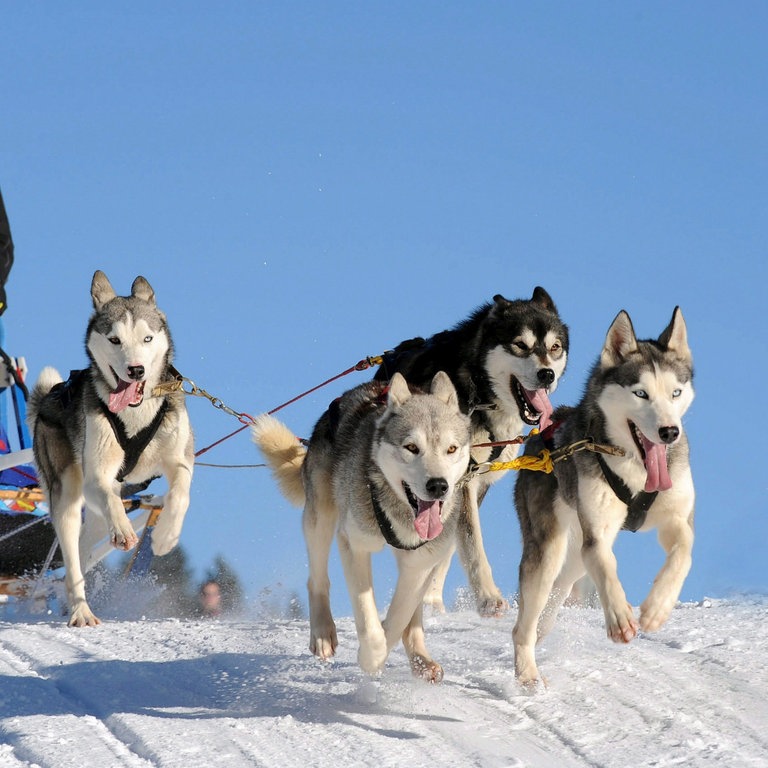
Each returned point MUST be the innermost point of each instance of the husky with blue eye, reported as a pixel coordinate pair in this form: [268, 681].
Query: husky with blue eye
[106, 426]
[635, 400]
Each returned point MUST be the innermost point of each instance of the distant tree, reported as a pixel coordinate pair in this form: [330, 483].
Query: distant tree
[173, 573]
[232, 598]
[295, 607]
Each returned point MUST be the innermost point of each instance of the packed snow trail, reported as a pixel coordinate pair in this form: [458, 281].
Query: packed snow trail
[247, 693]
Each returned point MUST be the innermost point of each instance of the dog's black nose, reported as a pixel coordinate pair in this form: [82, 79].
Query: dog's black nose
[136, 372]
[669, 434]
[437, 487]
[546, 376]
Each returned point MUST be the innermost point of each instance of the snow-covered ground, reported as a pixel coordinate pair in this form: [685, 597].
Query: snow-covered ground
[248, 693]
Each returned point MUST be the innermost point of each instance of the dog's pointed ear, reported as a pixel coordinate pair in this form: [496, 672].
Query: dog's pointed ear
[543, 299]
[101, 290]
[442, 388]
[398, 391]
[141, 289]
[498, 306]
[675, 336]
[619, 342]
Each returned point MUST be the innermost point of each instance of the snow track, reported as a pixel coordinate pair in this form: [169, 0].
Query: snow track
[248, 693]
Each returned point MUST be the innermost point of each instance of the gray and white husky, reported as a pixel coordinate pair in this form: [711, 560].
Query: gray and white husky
[635, 399]
[382, 466]
[504, 360]
[104, 427]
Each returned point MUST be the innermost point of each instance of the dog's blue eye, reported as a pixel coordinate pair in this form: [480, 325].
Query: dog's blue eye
[147, 339]
[641, 393]
[113, 340]
[677, 393]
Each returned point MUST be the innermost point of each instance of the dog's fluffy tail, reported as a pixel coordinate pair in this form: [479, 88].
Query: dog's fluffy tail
[47, 379]
[284, 454]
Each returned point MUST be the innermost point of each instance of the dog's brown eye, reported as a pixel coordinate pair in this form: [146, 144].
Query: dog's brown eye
[453, 449]
[113, 340]
[556, 347]
[412, 448]
[521, 346]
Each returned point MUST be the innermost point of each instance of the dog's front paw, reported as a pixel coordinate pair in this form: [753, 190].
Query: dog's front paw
[492, 606]
[323, 644]
[434, 602]
[621, 624]
[654, 612]
[372, 653]
[165, 536]
[123, 536]
[426, 669]
[82, 616]
[526, 671]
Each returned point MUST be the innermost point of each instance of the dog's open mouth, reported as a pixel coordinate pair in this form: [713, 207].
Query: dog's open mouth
[655, 460]
[534, 405]
[428, 515]
[127, 393]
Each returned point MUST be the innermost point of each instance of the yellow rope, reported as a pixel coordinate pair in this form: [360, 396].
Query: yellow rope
[541, 463]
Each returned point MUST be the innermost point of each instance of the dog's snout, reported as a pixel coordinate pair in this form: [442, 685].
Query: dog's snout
[546, 376]
[669, 434]
[437, 487]
[136, 372]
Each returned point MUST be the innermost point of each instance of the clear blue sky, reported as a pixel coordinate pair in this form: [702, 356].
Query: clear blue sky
[305, 184]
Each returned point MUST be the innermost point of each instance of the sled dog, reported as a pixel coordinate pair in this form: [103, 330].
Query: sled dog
[635, 399]
[504, 360]
[382, 466]
[104, 427]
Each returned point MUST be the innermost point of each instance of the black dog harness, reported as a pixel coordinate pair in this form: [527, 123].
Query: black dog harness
[134, 446]
[66, 391]
[385, 524]
[637, 505]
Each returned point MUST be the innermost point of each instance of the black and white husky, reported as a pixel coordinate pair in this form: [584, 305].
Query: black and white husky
[504, 360]
[382, 467]
[635, 399]
[105, 426]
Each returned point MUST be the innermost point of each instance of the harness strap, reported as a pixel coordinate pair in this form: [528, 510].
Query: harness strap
[637, 505]
[134, 446]
[385, 524]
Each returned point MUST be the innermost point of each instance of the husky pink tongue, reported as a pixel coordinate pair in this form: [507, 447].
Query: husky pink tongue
[656, 466]
[428, 523]
[539, 400]
[125, 394]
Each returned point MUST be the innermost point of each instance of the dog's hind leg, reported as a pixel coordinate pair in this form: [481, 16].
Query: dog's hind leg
[66, 498]
[94, 530]
[434, 595]
[571, 571]
[319, 524]
[422, 665]
[490, 601]
[540, 565]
